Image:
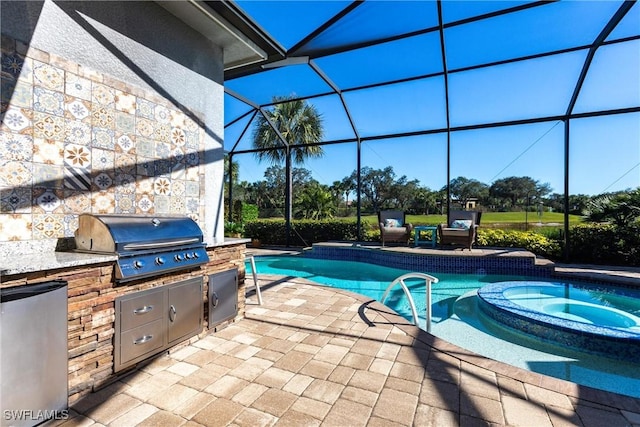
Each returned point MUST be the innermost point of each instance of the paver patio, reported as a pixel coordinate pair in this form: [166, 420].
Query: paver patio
[313, 355]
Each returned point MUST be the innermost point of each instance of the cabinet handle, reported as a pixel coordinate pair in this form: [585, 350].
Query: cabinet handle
[143, 340]
[215, 301]
[172, 313]
[143, 310]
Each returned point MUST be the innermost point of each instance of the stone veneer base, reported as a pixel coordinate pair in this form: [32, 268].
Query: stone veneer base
[91, 310]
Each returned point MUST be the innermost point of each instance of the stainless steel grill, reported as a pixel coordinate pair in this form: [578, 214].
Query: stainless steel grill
[145, 245]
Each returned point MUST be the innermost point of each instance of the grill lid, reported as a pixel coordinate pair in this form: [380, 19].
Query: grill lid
[128, 233]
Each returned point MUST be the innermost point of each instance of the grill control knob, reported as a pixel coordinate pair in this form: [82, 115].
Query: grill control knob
[188, 255]
[178, 257]
[137, 264]
[159, 260]
[195, 255]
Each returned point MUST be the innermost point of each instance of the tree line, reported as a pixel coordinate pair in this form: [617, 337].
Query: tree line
[384, 189]
[299, 126]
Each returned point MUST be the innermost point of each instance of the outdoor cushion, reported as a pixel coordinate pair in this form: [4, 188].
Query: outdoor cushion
[464, 224]
[455, 232]
[392, 223]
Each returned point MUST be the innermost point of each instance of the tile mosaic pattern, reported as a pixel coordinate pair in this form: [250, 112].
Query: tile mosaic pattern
[71, 143]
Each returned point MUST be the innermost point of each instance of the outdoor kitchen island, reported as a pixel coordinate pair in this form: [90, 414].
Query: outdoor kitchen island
[93, 292]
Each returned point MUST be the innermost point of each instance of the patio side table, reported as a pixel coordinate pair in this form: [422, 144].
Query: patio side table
[431, 235]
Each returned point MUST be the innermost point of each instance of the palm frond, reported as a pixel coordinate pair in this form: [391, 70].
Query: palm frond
[299, 123]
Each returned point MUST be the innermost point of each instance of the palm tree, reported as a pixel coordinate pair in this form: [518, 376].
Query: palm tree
[299, 123]
[315, 202]
[622, 208]
[289, 131]
[230, 167]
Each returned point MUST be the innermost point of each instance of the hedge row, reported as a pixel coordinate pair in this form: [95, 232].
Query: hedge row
[529, 240]
[590, 243]
[605, 244]
[303, 232]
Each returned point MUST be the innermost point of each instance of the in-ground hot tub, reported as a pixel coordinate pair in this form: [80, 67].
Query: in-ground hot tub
[597, 319]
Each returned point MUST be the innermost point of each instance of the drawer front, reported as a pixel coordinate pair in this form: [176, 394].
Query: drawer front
[142, 308]
[141, 340]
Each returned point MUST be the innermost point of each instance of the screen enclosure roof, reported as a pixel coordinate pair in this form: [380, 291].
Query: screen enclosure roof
[388, 70]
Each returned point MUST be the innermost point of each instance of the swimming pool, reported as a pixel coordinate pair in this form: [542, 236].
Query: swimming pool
[456, 317]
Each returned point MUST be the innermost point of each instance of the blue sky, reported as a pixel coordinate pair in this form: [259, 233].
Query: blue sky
[605, 151]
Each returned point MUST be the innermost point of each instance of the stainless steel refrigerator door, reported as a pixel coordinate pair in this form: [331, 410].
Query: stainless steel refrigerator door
[33, 353]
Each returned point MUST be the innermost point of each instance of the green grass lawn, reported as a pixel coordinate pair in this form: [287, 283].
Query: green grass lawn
[491, 218]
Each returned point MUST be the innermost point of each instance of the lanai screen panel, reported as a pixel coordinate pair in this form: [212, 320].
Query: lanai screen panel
[376, 71]
[370, 21]
[613, 80]
[399, 108]
[422, 158]
[539, 87]
[532, 150]
[296, 81]
[549, 28]
[386, 62]
[605, 154]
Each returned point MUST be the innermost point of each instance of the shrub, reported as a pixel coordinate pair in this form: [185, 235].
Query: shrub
[243, 212]
[249, 212]
[605, 244]
[232, 228]
[371, 234]
[303, 232]
[266, 230]
[529, 240]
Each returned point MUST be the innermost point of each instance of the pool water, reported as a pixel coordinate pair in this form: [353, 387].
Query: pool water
[589, 313]
[457, 318]
[372, 280]
[578, 304]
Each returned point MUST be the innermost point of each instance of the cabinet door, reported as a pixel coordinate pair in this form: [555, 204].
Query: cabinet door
[185, 309]
[223, 296]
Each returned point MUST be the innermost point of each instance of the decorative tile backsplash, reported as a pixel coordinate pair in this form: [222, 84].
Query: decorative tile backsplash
[75, 141]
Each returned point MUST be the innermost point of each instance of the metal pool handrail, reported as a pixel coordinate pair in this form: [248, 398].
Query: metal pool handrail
[428, 281]
[255, 279]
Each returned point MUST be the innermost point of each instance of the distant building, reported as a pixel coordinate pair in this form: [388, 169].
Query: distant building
[470, 204]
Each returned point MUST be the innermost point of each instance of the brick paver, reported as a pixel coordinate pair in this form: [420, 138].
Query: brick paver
[308, 358]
